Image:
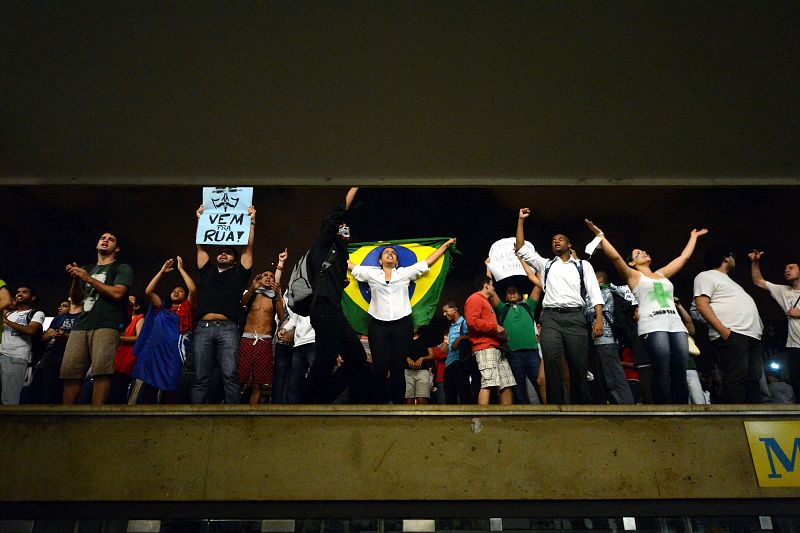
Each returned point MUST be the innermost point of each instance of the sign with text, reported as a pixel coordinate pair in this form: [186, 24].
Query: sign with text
[503, 260]
[225, 219]
[774, 447]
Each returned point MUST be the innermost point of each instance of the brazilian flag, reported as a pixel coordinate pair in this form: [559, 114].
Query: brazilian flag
[423, 293]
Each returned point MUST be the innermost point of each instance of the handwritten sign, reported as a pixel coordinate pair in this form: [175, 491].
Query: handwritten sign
[225, 219]
[503, 260]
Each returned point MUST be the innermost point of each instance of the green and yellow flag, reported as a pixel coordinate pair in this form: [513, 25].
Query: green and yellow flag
[424, 293]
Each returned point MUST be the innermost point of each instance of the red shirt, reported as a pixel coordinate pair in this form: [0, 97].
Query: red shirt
[481, 323]
[439, 357]
[184, 312]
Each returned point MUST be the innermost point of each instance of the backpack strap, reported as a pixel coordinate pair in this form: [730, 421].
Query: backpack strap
[578, 264]
[504, 315]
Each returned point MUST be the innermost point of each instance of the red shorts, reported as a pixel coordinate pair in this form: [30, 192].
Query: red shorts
[256, 363]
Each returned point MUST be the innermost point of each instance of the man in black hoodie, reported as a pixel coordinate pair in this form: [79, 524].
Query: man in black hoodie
[334, 334]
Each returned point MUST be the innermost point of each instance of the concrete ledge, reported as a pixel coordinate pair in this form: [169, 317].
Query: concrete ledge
[278, 457]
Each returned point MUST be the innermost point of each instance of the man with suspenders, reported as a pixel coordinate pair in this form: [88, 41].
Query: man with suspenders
[566, 282]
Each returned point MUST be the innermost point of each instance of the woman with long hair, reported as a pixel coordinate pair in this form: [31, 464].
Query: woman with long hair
[660, 326]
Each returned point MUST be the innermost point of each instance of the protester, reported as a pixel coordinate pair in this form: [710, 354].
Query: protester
[391, 326]
[125, 358]
[734, 326]
[263, 302]
[165, 336]
[459, 358]
[788, 297]
[21, 326]
[94, 339]
[566, 282]
[335, 337]
[55, 338]
[516, 316]
[484, 337]
[660, 326]
[216, 338]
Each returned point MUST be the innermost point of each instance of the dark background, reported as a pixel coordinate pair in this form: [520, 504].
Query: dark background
[139, 104]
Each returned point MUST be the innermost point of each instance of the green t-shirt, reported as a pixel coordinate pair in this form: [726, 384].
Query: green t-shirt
[519, 325]
[99, 311]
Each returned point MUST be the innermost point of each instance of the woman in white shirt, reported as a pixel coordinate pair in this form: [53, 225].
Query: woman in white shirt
[391, 327]
[660, 326]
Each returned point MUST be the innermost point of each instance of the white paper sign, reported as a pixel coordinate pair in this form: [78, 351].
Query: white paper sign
[503, 260]
[225, 219]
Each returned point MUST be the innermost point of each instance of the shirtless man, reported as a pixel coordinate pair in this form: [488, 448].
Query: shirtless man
[256, 361]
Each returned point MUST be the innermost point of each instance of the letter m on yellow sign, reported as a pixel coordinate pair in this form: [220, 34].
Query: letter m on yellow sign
[774, 448]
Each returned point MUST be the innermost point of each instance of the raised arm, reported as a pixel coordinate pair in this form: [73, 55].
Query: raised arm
[431, 259]
[202, 255]
[625, 272]
[279, 267]
[246, 258]
[536, 291]
[150, 291]
[755, 269]
[191, 286]
[677, 264]
[520, 235]
[349, 197]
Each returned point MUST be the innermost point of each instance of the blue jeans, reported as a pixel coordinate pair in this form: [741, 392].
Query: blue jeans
[669, 353]
[302, 359]
[216, 341]
[524, 363]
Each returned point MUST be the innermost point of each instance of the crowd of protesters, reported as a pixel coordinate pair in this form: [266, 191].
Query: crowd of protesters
[564, 334]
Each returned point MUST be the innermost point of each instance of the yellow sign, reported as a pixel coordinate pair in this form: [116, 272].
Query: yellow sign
[774, 447]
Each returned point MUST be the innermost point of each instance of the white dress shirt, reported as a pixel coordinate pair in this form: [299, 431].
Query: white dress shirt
[389, 300]
[563, 285]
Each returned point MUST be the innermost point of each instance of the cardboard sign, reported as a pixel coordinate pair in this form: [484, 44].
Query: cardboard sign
[503, 260]
[225, 219]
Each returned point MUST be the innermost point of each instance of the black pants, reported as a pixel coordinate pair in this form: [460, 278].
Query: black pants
[334, 336]
[742, 362]
[565, 333]
[456, 384]
[390, 344]
[793, 366]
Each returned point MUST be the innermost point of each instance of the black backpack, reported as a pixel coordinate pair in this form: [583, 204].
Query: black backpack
[37, 347]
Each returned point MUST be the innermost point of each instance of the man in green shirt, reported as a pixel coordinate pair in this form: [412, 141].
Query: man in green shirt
[95, 334]
[516, 315]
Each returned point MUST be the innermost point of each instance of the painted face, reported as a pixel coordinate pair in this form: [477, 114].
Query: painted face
[512, 295]
[107, 244]
[639, 257]
[177, 295]
[344, 232]
[791, 272]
